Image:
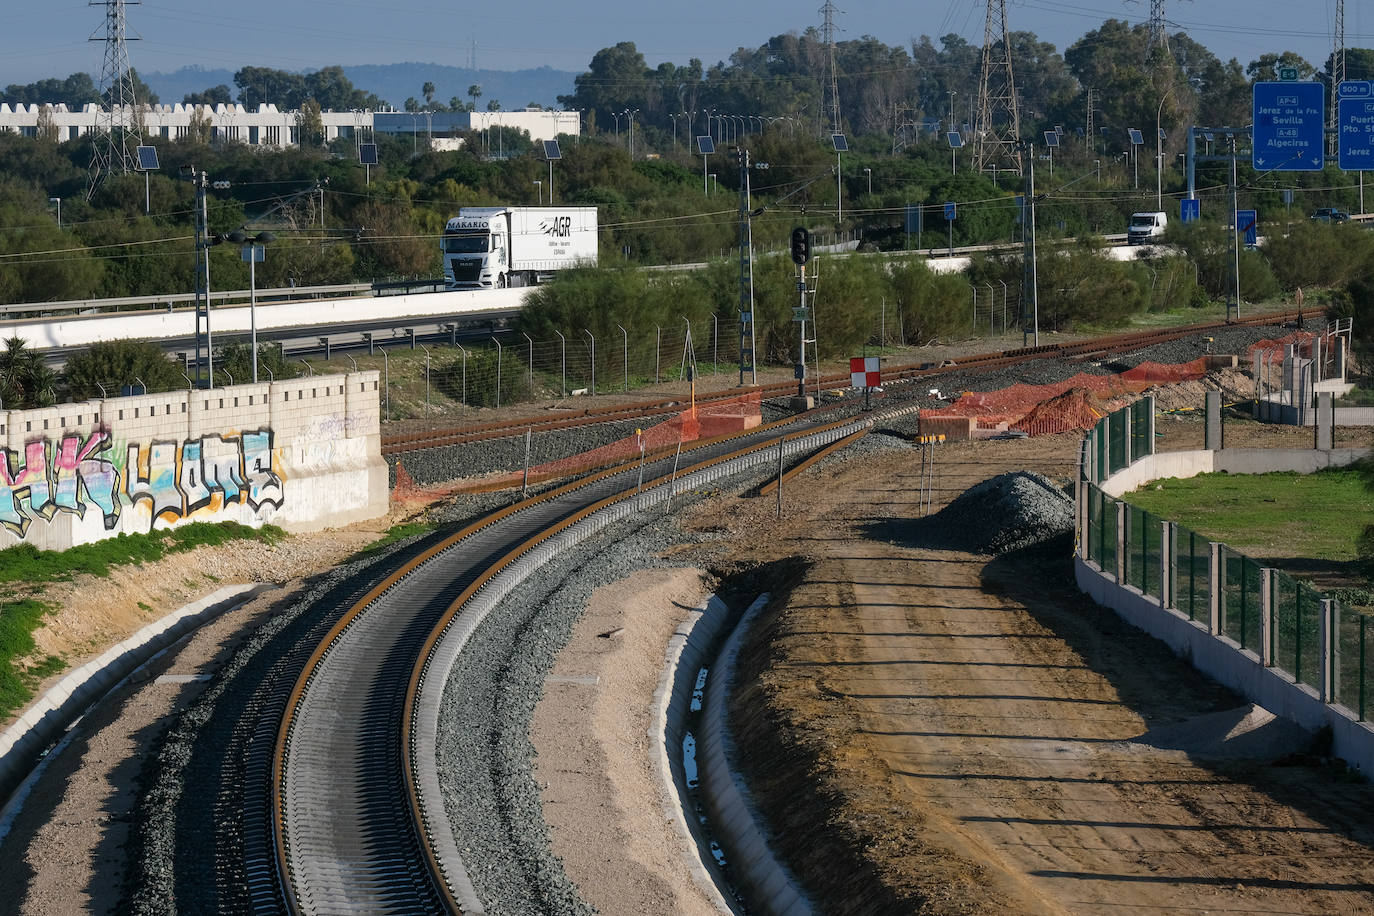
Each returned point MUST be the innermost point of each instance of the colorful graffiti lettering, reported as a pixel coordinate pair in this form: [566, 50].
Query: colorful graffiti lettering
[177, 479]
[54, 476]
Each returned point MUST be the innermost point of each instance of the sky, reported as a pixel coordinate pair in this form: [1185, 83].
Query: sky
[52, 39]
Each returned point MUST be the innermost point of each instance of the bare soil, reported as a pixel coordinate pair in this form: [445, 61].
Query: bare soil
[939, 732]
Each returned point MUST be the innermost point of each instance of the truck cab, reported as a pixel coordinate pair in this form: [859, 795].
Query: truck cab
[1146, 226]
[474, 251]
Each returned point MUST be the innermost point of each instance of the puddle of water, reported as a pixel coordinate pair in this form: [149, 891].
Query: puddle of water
[699, 691]
[689, 759]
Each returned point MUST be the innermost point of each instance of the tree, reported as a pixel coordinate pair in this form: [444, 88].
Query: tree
[474, 93]
[201, 128]
[494, 105]
[74, 92]
[24, 379]
[1266, 66]
[48, 130]
[215, 95]
[310, 124]
[113, 363]
[428, 92]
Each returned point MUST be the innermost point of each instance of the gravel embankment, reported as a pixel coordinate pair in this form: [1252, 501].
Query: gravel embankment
[1005, 513]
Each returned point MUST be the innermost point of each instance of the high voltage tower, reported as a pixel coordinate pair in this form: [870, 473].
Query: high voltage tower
[828, 33]
[998, 130]
[1159, 31]
[118, 120]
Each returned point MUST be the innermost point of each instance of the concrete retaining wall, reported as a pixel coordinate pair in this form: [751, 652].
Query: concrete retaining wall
[301, 453]
[1214, 654]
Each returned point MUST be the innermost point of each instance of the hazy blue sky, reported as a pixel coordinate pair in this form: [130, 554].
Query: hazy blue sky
[51, 39]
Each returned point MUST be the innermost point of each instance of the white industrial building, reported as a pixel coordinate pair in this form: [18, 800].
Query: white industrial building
[268, 126]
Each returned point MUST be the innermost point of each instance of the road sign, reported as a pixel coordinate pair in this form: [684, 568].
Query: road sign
[1288, 127]
[1288, 74]
[864, 372]
[913, 217]
[1355, 126]
[800, 313]
[1189, 210]
[1247, 221]
[950, 210]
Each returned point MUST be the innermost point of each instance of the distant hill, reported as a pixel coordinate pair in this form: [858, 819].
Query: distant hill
[394, 83]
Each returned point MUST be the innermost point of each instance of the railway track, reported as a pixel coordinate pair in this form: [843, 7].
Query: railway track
[1086, 349]
[356, 819]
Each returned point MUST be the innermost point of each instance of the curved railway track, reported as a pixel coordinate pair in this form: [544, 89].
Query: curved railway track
[343, 810]
[356, 821]
[399, 444]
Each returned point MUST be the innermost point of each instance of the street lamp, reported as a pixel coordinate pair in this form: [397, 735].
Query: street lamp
[252, 252]
[1159, 151]
[539, 190]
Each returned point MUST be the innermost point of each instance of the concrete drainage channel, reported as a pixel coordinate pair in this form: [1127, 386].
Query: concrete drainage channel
[467, 861]
[692, 750]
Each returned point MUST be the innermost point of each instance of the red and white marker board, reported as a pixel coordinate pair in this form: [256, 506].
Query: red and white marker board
[863, 372]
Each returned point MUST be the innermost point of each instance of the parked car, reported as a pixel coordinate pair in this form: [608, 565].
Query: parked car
[1331, 215]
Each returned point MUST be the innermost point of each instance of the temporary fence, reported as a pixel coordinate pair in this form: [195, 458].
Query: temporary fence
[1284, 621]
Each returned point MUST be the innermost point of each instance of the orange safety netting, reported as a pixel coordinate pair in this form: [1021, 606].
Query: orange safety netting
[1074, 403]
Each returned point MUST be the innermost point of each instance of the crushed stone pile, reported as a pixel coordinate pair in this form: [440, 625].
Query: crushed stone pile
[1006, 513]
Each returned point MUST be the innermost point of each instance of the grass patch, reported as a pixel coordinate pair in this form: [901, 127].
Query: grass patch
[25, 563]
[394, 533]
[18, 620]
[1284, 514]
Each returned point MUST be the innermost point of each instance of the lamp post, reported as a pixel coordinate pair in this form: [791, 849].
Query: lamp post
[631, 114]
[869, 173]
[1159, 151]
[539, 190]
[616, 115]
[252, 252]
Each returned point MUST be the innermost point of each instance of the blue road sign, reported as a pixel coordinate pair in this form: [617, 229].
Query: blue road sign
[913, 217]
[1189, 210]
[1355, 126]
[1288, 127]
[949, 210]
[1247, 221]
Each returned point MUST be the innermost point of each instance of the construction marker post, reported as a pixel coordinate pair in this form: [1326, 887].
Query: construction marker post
[865, 372]
[779, 477]
[639, 437]
[525, 485]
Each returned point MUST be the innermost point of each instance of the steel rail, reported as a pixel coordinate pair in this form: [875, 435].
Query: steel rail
[390, 619]
[399, 444]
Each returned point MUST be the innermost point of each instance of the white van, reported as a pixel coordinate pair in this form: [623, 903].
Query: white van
[1145, 226]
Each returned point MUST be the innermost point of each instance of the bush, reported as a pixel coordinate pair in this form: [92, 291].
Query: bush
[114, 363]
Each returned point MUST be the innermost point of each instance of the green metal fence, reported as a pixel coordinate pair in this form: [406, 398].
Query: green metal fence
[1296, 646]
[1240, 598]
[1191, 575]
[1355, 661]
[1144, 544]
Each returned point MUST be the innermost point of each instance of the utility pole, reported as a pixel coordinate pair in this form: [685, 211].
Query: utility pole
[1030, 281]
[746, 276]
[118, 118]
[1088, 131]
[1159, 31]
[203, 242]
[1337, 77]
[998, 127]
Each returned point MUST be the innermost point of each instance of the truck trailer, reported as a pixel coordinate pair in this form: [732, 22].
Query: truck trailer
[497, 247]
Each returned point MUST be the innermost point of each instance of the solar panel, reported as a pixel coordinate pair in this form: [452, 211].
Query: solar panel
[706, 144]
[367, 153]
[1051, 138]
[841, 144]
[1136, 136]
[551, 150]
[147, 159]
[1208, 136]
[1162, 134]
[956, 140]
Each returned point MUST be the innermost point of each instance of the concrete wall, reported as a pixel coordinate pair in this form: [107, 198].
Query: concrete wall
[1212, 653]
[84, 330]
[302, 453]
[1229, 460]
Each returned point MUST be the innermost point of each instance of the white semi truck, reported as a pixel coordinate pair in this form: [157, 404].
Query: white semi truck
[496, 247]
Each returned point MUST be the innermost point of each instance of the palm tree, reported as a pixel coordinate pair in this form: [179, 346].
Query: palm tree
[428, 92]
[475, 93]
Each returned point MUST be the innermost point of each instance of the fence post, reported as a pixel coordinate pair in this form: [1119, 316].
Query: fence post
[1266, 617]
[1150, 426]
[1166, 564]
[1120, 543]
[1328, 648]
[498, 373]
[1216, 603]
[563, 363]
[1212, 431]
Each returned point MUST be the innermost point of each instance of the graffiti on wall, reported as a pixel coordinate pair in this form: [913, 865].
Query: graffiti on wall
[75, 474]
